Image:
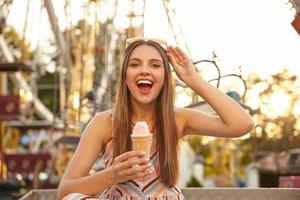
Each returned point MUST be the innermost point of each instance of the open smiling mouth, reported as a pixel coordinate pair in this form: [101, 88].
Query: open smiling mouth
[144, 86]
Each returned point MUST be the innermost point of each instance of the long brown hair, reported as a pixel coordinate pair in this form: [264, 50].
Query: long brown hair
[167, 140]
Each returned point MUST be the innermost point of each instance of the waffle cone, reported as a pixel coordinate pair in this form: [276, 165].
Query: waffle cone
[142, 143]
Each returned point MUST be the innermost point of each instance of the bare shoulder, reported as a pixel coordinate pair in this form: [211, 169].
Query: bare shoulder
[187, 119]
[186, 113]
[92, 141]
[182, 113]
[100, 126]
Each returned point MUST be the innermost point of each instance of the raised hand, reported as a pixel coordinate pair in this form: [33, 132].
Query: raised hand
[130, 165]
[181, 63]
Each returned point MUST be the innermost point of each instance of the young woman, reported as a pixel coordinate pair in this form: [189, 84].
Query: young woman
[146, 93]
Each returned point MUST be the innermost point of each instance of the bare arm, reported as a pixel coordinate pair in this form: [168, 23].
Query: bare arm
[91, 143]
[232, 119]
[76, 178]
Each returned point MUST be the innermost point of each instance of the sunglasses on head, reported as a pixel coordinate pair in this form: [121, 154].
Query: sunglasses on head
[129, 41]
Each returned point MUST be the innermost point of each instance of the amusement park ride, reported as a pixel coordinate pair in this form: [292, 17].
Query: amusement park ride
[74, 95]
[12, 164]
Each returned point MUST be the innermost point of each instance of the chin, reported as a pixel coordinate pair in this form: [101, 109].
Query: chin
[145, 99]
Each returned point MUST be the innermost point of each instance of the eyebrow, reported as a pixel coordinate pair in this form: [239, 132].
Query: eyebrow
[152, 60]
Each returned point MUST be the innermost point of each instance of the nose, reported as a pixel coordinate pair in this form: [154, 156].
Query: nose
[145, 70]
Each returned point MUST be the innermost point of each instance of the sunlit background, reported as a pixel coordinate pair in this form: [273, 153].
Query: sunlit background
[252, 34]
[248, 49]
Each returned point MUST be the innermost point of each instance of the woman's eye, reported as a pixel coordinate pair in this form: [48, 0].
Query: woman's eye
[133, 65]
[155, 65]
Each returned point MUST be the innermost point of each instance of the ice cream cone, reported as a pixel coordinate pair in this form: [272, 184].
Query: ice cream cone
[142, 143]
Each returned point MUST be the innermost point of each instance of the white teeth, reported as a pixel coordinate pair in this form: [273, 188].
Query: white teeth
[144, 82]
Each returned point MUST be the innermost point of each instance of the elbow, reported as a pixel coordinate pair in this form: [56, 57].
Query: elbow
[245, 127]
[249, 125]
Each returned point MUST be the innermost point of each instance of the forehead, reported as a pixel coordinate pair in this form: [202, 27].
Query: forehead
[145, 52]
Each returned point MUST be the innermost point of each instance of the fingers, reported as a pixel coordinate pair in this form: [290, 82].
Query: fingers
[135, 170]
[173, 54]
[132, 162]
[130, 165]
[128, 155]
[181, 53]
[140, 175]
[141, 172]
[177, 53]
[172, 59]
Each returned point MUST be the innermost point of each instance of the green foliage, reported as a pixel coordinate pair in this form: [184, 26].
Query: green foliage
[49, 96]
[246, 150]
[21, 48]
[193, 182]
[12, 89]
[196, 143]
[47, 78]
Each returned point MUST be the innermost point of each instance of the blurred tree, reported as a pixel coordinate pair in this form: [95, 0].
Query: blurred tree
[20, 49]
[276, 108]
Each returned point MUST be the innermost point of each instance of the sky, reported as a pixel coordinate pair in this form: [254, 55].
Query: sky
[254, 34]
